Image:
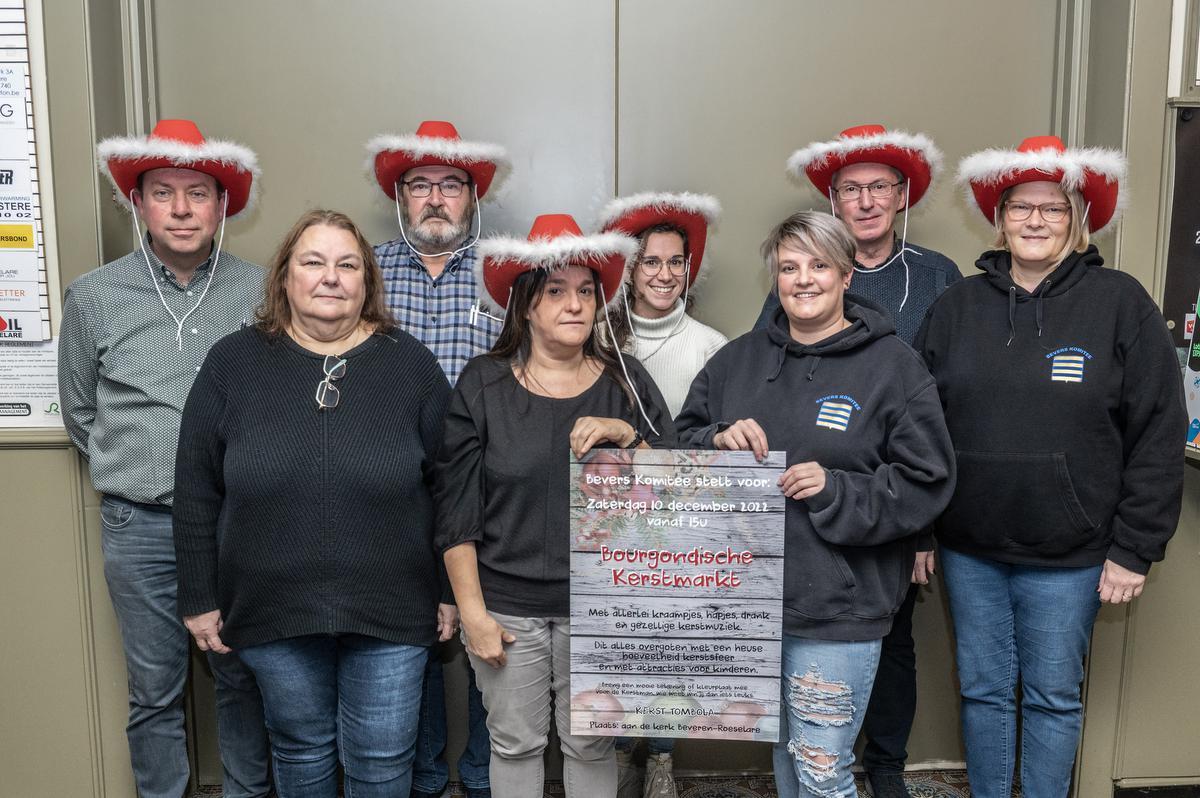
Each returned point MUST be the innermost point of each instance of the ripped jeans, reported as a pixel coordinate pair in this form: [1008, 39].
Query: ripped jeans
[826, 686]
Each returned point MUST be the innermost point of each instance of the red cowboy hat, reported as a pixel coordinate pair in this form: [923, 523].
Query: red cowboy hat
[691, 212]
[1094, 172]
[434, 144]
[178, 144]
[911, 154]
[555, 241]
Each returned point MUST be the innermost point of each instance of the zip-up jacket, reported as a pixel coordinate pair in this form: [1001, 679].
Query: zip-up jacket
[862, 405]
[1065, 405]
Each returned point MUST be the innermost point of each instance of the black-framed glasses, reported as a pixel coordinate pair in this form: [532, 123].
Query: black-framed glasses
[450, 187]
[652, 266]
[880, 189]
[327, 393]
[1050, 212]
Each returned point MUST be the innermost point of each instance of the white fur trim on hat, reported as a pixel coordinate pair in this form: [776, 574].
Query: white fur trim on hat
[543, 253]
[451, 150]
[818, 153]
[992, 166]
[181, 155]
[703, 204]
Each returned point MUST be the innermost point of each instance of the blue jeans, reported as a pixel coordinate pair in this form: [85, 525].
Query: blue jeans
[1027, 623]
[325, 694]
[826, 685]
[431, 774]
[139, 567]
[654, 745]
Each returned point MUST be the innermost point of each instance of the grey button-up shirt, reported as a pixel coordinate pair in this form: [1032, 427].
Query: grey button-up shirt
[122, 376]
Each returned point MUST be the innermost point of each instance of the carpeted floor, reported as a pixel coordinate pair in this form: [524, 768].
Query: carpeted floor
[921, 784]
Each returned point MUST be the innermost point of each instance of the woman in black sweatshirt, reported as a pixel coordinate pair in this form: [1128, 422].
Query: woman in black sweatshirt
[1063, 397]
[870, 466]
[303, 520]
[550, 386]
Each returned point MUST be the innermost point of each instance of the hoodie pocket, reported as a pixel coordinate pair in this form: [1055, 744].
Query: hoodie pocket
[1016, 500]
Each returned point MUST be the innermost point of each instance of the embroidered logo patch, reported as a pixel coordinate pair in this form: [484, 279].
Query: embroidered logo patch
[1066, 364]
[835, 411]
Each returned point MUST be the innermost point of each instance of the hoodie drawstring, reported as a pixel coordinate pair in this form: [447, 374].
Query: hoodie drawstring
[816, 359]
[1041, 295]
[1012, 314]
[781, 356]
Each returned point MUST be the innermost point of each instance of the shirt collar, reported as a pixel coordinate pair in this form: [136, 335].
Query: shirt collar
[167, 273]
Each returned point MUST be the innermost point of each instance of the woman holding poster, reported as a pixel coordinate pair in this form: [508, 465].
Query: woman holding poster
[870, 467]
[550, 386]
[671, 230]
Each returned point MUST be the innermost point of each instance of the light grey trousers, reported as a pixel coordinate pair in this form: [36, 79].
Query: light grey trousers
[518, 698]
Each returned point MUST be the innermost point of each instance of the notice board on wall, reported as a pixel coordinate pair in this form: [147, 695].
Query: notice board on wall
[28, 361]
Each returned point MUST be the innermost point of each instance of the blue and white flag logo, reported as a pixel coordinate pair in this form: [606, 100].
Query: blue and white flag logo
[835, 411]
[1066, 364]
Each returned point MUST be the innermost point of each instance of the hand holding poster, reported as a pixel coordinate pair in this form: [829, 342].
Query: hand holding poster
[676, 594]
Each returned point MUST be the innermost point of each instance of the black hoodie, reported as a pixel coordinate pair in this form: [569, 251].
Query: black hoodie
[1067, 414]
[862, 404]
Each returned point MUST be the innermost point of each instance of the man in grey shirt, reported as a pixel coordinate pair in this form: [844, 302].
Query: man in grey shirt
[134, 333]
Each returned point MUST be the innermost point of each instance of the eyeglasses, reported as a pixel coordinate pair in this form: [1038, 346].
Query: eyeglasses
[450, 187]
[652, 266]
[880, 189]
[327, 393]
[1050, 212]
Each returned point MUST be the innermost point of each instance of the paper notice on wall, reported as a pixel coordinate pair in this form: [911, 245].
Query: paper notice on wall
[29, 385]
[24, 291]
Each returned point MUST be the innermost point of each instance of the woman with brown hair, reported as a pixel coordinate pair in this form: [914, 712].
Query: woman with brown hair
[550, 386]
[303, 521]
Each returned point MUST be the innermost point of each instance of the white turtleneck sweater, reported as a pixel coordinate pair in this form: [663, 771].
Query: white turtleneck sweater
[673, 349]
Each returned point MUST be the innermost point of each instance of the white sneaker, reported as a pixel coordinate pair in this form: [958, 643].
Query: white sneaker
[629, 776]
[660, 781]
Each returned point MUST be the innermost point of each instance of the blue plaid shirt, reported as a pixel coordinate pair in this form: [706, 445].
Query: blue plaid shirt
[437, 312]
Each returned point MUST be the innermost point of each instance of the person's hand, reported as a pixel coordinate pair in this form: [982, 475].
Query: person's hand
[1118, 584]
[206, 628]
[447, 621]
[591, 430]
[803, 480]
[923, 568]
[485, 638]
[743, 435]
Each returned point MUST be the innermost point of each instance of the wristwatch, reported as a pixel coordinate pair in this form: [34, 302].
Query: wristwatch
[637, 440]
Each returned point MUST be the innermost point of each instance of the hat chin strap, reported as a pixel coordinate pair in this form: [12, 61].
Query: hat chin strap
[154, 278]
[471, 239]
[612, 336]
[903, 245]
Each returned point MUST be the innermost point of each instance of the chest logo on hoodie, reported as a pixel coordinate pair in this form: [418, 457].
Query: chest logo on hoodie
[1066, 364]
[835, 410]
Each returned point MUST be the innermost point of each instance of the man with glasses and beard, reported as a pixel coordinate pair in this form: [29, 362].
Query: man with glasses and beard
[436, 180]
[869, 175]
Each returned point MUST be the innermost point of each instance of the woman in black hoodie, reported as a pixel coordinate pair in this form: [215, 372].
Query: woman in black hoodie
[1063, 397]
[870, 466]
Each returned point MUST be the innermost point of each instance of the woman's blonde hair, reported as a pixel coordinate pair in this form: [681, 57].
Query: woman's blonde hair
[819, 234]
[1077, 235]
[275, 313]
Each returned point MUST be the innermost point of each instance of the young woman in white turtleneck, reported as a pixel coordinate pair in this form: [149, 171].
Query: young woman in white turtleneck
[669, 343]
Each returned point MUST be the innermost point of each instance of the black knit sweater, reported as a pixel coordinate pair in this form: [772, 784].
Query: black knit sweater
[295, 521]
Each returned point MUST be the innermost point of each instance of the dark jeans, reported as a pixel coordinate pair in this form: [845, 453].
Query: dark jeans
[139, 566]
[431, 774]
[894, 698]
